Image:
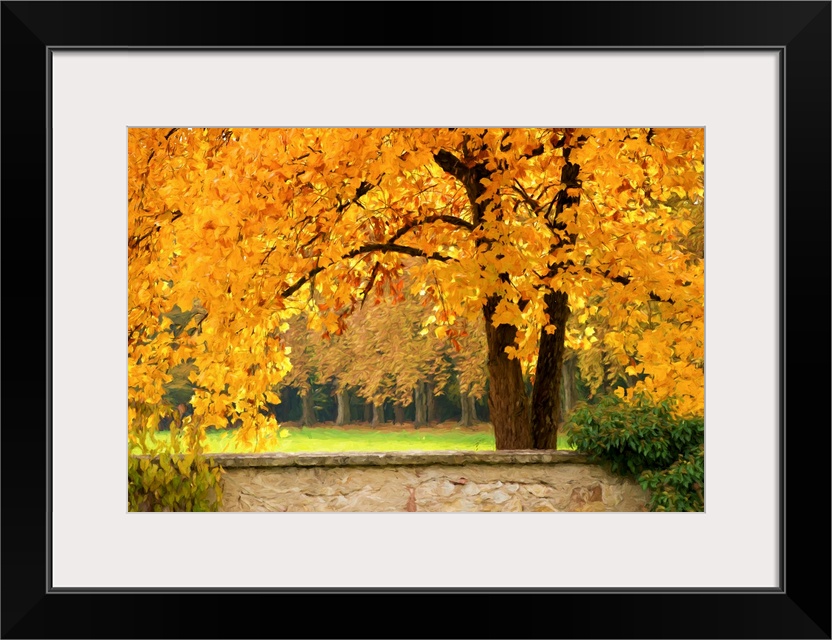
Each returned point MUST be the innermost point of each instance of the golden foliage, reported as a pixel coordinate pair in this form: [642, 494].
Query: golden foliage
[243, 230]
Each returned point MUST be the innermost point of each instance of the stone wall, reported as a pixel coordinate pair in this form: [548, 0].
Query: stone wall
[440, 481]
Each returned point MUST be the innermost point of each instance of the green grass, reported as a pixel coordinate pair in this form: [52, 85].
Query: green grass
[360, 438]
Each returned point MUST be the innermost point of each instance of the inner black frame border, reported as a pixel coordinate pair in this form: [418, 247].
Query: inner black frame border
[799, 31]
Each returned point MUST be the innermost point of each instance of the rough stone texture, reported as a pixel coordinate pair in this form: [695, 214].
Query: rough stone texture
[387, 459]
[494, 481]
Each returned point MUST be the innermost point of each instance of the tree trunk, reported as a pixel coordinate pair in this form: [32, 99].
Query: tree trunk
[398, 413]
[465, 420]
[569, 391]
[431, 399]
[368, 411]
[546, 408]
[343, 417]
[378, 414]
[472, 409]
[308, 416]
[420, 405]
[508, 403]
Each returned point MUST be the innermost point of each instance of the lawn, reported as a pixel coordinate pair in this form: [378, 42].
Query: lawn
[330, 439]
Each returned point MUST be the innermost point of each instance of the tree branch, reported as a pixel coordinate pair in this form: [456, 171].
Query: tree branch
[459, 222]
[370, 284]
[363, 188]
[450, 163]
[136, 240]
[386, 247]
[390, 247]
[625, 280]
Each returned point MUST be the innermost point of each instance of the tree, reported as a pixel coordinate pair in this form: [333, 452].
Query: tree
[302, 347]
[384, 354]
[470, 362]
[515, 226]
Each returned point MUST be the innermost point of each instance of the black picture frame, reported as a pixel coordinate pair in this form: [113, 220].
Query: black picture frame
[799, 608]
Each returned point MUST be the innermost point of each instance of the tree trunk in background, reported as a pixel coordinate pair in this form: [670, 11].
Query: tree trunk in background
[431, 398]
[398, 413]
[378, 414]
[472, 409]
[465, 420]
[368, 411]
[308, 417]
[569, 389]
[546, 408]
[420, 405]
[508, 403]
[343, 417]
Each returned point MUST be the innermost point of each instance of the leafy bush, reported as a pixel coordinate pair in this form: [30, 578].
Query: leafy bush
[171, 474]
[647, 441]
[171, 482]
[680, 487]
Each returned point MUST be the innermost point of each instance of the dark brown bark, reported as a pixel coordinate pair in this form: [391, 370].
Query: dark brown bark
[398, 413]
[546, 401]
[308, 417]
[508, 403]
[343, 417]
[368, 411]
[546, 408]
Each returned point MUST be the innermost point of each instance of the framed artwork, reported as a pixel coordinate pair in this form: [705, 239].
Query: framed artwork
[755, 76]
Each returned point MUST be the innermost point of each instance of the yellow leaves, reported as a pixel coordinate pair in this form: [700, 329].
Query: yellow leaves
[633, 371]
[685, 226]
[234, 221]
[506, 313]
[184, 464]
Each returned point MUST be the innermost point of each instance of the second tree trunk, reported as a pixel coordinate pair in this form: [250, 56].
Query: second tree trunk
[546, 410]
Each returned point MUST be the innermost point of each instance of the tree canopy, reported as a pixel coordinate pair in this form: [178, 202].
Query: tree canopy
[586, 238]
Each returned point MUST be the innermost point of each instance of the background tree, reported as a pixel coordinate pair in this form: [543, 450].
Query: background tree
[303, 348]
[470, 363]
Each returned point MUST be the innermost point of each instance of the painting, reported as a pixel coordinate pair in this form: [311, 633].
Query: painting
[441, 319]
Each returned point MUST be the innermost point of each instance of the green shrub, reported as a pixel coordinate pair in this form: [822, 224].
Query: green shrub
[681, 486]
[647, 441]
